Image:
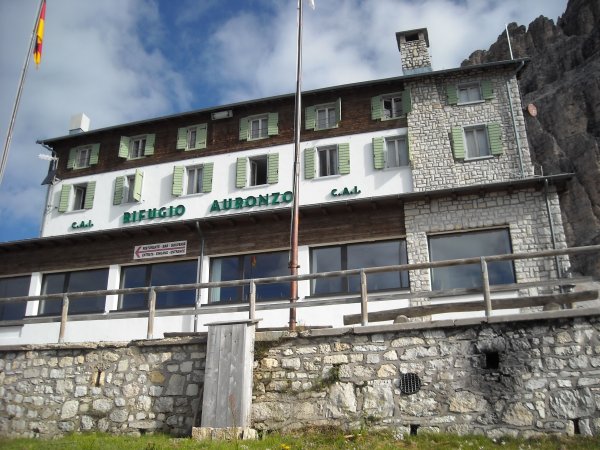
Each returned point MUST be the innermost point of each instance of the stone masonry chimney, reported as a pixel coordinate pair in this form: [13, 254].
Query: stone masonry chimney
[413, 46]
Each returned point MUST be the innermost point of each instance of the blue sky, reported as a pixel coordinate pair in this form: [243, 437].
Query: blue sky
[125, 60]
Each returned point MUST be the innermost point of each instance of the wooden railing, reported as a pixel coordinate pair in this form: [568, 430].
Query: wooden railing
[364, 298]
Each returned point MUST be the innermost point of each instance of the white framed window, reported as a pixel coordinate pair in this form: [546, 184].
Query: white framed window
[392, 107]
[130, 186]
[194, 180]
[476, 142]
[469, 93]
[396, 152]
[82, 157]
[258, 170]
[328, 160]
[136, 147]
[79, 191]
[191, 138]
[258, 128]
[325, 117]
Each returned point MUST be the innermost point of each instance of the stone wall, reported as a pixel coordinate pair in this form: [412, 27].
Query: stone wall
[130, 388]
[522, 377]
[523, 213]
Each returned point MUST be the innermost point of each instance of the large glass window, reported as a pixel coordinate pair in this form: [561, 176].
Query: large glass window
[161, 274]
[477, 142]
[13, 287]
[81, 281]
[357, 256]
[468, 245]
[328, 160]
[244, 267]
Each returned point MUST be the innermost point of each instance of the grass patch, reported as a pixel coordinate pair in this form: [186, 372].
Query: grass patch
[317, 438]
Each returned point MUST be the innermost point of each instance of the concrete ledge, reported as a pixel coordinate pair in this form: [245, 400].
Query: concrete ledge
[223, 434]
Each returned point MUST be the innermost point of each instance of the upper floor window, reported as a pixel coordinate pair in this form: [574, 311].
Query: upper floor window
[327, 160]
[467, 245]
[259, 127]
[80, 281]
[357, 256]
[84, 156]
[161, 274]
[396, 154]
[391, 106]
[321, 117]
[476, 141]
[192, 179]
[136, 147]
[469, 92]
[128, 188]
[192, 137]
[13, 287]
[74, 197]
[257, 170]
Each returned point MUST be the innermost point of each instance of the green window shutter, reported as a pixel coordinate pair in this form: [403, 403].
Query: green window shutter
[495, 137]
[207, 177]
[137, 185]
[273, 124]
[181, 138]
[65, 194]
[94, 155]
[90, 191]
[71, 161]
[177, 188]
[338, 111]
[378, 144]
[124, 147]
[452, 94]
[309, 163]
[486, 90]
[309, 118]
[458, 143]
[406, 101]
[273, 168]
[344, 158]
[376, 108]
[149, 148]
[201, 136]
[118, 197]
[244, 129]
[240, 173]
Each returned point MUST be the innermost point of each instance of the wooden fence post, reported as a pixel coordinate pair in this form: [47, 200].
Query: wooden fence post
[63, 318]
[151, 313]
[363, 299]
[486, 287]
[252, 300]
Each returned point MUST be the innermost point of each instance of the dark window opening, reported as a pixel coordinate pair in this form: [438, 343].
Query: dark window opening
[13, 287]
[258, 171]
[412, 37]
[162, 274]
[357, 256]
[81, 281]
[576, 427]
[245, 267]
[413, 429]
[492, 360]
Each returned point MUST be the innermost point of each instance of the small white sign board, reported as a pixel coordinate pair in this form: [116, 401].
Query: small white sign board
[160, 249]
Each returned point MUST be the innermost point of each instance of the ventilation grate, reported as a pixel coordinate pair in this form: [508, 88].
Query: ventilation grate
[410, 383]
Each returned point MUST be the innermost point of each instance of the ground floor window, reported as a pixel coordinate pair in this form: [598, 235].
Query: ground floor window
[80, 281]
[13, 287]
[356, 256]
[244, 267]
[161, 274]
[467, 245]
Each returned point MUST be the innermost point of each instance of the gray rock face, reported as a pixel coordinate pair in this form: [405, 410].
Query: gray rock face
[562, 81]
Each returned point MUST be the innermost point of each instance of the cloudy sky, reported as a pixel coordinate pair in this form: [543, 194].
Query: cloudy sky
[127, 60]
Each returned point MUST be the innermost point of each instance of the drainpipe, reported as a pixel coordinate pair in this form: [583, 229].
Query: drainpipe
[51, 168]
[199, 273]
[552, 236]
[514, 121]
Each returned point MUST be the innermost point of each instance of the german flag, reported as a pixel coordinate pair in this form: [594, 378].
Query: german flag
[37, 51]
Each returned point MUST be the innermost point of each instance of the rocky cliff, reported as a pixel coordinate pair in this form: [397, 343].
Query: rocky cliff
[563, 81]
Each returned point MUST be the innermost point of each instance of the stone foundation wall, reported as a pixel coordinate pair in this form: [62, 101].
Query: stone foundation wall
[118, 388]
[516, 378]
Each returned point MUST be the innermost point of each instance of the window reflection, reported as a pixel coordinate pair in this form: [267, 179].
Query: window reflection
[13, 287]
[244, 267]
[81, 281]
[467, 245]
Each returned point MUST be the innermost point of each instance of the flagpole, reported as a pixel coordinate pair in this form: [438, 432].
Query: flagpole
[4, 159]
[296, 188]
